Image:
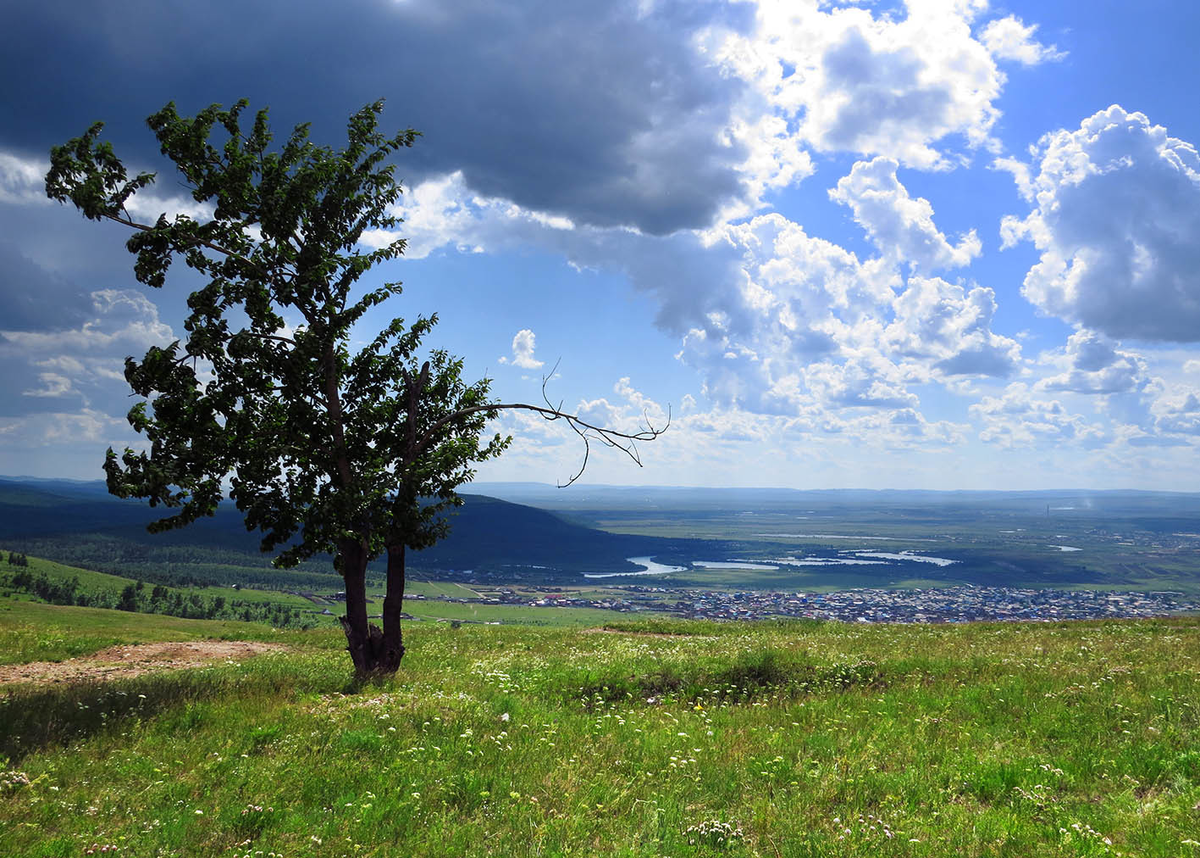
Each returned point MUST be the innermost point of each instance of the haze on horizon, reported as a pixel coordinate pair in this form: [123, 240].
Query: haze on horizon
[936, 244]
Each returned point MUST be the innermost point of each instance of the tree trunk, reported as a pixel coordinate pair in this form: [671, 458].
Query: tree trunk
[364, 641]
[393, 640]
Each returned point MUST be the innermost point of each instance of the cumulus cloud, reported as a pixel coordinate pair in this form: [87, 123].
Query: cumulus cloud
[1011, 39]
[900, 226]
[85, 427]
[1179, 413]
[1095, 365]
[79, 369]
[1116, 209]
[719, 445]
[540, 444]
[1017, 418]
[867, 379]
[853, 81]
[22, 180]
[786, 305]
[950, 327]
[776, 321]
[523, 344]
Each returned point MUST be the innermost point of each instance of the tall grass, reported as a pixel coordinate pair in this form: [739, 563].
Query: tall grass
[775, 740]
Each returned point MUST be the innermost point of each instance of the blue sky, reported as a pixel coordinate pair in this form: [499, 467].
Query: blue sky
[937, 244]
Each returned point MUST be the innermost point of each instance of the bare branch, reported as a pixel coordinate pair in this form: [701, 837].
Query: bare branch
[626, 442]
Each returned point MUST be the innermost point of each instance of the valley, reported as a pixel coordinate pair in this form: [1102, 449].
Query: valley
[543, 556]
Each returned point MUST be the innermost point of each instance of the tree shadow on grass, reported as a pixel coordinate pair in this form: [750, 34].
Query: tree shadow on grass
[34, 717]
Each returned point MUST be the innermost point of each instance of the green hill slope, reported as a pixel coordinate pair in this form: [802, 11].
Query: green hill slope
[656, 740]
[60, 584]
[83, 526]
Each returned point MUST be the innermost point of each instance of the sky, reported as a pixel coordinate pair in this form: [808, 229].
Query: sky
[937, 244]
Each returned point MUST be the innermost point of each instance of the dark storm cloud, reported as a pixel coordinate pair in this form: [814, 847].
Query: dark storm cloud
[33, 299]
[587, 109]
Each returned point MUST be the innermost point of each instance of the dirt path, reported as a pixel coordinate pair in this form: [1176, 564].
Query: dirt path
[122, 662]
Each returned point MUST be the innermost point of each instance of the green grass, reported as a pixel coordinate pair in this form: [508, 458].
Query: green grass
[807, 739]
[32, 631]
[95, 582]
[510, 614]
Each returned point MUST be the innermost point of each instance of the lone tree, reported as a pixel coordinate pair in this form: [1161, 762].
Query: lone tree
[327, 449]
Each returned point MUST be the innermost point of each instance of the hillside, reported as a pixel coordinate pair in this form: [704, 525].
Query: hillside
[58, 584]
[744, 539]
[79, 523]
[660, 739]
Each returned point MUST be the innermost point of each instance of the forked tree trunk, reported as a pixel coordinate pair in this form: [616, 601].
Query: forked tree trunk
[363, 640]
[372, 651]
[393, 639]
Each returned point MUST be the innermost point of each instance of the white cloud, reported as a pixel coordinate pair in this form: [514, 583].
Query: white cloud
[1011, 39]
[444, 212]
[148, 204]
[1117, 209]
[22, 180]
[523, 344]
[888, 85]
[79, 370]
[87, 426]
[1018, 419]
[900, 226]
[1179, 413]
[944, 324]
[123, 322]
[866, 380]
[52, 384]
[1095, 365]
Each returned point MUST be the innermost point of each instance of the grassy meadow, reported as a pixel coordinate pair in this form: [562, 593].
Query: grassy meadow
[650, 739]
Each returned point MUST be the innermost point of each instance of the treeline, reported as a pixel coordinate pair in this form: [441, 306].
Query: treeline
[15, 559]
[177, 565]
[136, 597]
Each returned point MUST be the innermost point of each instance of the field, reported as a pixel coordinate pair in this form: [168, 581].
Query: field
[648, 739]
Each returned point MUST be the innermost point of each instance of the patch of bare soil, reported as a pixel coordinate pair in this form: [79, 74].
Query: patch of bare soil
[124, 661]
